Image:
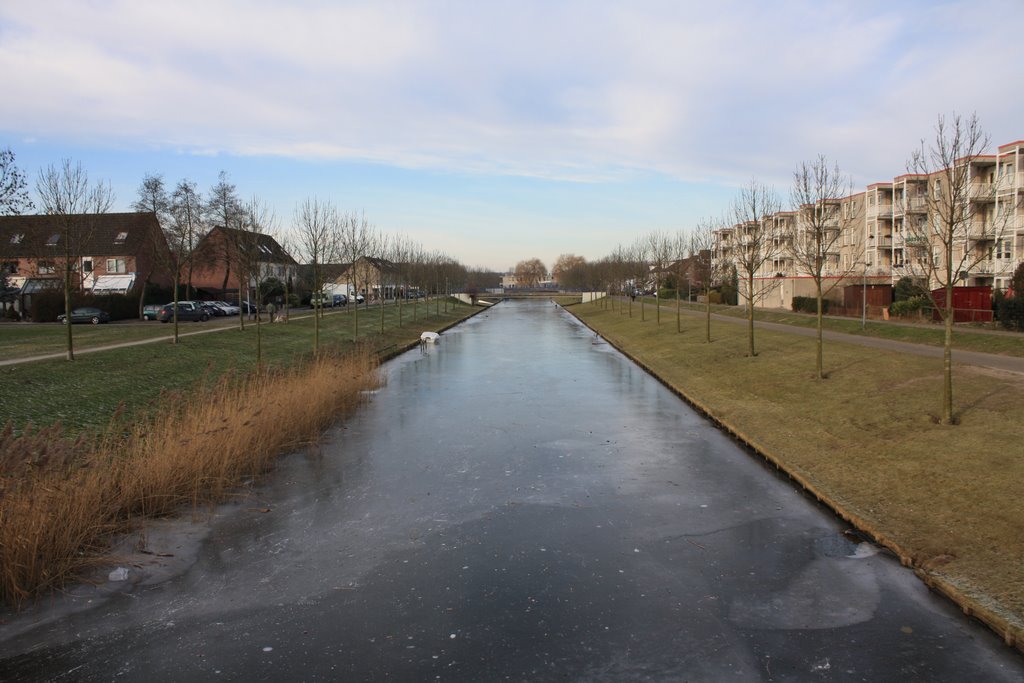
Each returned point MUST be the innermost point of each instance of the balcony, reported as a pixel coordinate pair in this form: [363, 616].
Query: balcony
[881, 210]
[980, 231]
[986, 267]
[918, 204]
[983, 192]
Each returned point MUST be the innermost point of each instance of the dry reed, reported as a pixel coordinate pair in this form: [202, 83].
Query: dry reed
[61, 501]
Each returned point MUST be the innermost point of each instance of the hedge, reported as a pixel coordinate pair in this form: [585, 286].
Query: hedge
[809, 304]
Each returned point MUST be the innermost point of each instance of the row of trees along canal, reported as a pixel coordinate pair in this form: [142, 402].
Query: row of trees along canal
[319, 235]
[822, 237]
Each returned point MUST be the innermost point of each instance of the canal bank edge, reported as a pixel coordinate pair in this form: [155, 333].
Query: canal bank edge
[1011, 634]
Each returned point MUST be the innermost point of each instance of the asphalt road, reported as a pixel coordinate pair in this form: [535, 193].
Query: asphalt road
[521, 503]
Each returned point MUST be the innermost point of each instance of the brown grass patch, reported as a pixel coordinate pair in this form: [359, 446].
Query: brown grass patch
[61, 501]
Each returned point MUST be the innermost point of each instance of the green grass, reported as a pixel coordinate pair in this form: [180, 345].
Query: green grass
[867, 439]
[25, 340]
[84, 394]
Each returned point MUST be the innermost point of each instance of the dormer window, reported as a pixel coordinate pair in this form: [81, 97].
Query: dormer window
[121, 237]
[54, 238]
[17, 237]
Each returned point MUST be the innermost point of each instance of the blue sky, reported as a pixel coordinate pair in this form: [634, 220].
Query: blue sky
[499, 131]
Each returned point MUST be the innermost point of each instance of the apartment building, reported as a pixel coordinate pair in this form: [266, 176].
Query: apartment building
[890, 231]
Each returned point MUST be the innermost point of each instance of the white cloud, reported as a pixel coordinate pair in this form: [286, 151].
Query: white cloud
[579, 90]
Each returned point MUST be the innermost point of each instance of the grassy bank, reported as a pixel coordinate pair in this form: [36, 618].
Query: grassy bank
[83, 394]
[945, 498]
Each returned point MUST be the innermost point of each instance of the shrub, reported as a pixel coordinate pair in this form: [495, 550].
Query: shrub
[1010, 312]
[916, 304]
[666, 293]
[809, 304]
[905, 289]
[46, 306]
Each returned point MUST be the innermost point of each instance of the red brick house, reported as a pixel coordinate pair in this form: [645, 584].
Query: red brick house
[219, 253]
[112, 252]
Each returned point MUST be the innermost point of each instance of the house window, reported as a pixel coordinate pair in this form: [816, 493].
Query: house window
[17, 237]
[87, 265]
[46, 268]
[54, 238]
[11, 267]
[116, 265]
[1002, 249]
[121, 237]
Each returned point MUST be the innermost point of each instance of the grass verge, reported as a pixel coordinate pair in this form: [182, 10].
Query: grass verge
[866, 442]
[966, 337]
[83, 394]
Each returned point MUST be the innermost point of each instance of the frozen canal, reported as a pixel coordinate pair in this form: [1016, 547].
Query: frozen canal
[518, 503]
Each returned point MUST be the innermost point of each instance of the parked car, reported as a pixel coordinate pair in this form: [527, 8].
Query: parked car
[247, 308]
[187, 310]
[214, 309]
[229, 307]
[86, 315]
[328, 301]
[150, 311]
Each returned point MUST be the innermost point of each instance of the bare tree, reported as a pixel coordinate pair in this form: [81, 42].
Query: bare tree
[357, 240]
[14, 199]
[638, 262]
[660, 252]
[187, 211]
[757, 244]
[705, 270]
[185, 221]
[317, 228]
[824, 240]
[289, 245]
[382, 254]
[256, 256]
[679, 263]
[402, 253]
[67, 194]
[964, 220]
[530, 272]
[153, 198]
[569, 271]
[224, 208]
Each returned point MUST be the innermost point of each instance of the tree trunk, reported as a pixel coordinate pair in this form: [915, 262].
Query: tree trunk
[707, 317]
[679, 321]
[259, 339]
[67, 312]
[750, 314]
[947, 359]
[818, 340]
